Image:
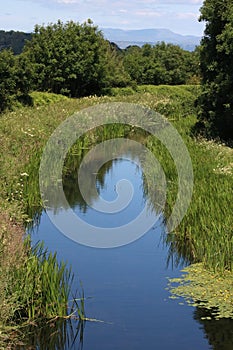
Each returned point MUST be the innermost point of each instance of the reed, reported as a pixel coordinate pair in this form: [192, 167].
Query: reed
[40, 288]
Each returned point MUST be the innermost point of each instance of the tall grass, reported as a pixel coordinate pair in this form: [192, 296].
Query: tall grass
[35, 297]
[205, 234]
[39, 288]
[207, 227]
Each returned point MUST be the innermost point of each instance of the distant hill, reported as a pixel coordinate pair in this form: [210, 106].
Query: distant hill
[124, 38]
[13, 40]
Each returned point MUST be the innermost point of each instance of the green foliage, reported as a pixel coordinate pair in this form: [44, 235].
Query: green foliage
[216, 101]
[172, 101]
[73, 59]
[206, 231]
[35, 293]
[15, 79]
[44, 98]
[39, 289]
[121, 91]
[114, 73]
[161, 64]
[7, 79]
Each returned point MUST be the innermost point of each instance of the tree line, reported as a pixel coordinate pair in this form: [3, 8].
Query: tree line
[13, 40]
[75, 60]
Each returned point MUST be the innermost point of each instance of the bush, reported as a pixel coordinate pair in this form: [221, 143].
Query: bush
[7, 78]
[216, 100]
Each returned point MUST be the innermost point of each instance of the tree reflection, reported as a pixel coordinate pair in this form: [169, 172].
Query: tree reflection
[218, 332]
[181, 250]
[54, 335]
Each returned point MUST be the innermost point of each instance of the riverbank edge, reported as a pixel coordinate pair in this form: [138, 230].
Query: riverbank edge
[12, 203]
[13, 251]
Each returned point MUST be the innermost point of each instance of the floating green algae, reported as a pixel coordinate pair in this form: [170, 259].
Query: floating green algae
[205, 289]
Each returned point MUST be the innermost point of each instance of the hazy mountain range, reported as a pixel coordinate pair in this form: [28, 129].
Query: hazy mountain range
[124, 38]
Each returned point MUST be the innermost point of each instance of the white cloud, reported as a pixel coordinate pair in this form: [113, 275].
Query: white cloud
[67, 1]
[169, 2]
[148, 13]
[133, 4]
[177, 15]
[188, 15]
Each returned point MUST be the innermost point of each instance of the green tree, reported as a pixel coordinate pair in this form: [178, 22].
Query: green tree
[24, 73]
[71, 59]
[7, 78]
[161, 64]
[216, 100]
[114, 73]
[133, 63]
[15, 79]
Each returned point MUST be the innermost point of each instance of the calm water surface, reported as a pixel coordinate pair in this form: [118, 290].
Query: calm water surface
[126, 287]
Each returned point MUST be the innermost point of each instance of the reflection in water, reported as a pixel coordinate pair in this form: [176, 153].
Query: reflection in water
[54, 335]
[70, 334]
[218, 332]
[181, 251]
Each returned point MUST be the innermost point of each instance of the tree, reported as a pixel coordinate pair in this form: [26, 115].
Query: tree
[71, 59]
[133, 63]
[7, 78]
[15, 79]
[114, 73]
[216, 100]
[161, 64]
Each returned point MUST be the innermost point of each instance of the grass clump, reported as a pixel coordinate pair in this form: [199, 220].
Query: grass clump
[44, 98]
[33, 286]
[35, 289]
[125, 91]
[207, 226]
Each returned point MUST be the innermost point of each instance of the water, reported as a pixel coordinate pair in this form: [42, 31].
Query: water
[126, 286]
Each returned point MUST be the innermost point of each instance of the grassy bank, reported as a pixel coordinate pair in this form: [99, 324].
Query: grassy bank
[34, 287]
[205, 234]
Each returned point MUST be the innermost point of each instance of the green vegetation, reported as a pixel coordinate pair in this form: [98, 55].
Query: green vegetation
[207, 227]
[33, 286]
[205, 234]
[15, 80]
[75, 60]
[71, 59]
[216, 101]
[44, 98]
[36, 289]
[161, 64]
[205, 289]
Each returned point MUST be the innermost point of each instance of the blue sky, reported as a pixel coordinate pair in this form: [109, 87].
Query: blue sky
[180, 16]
